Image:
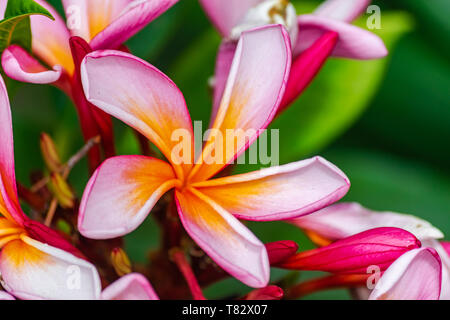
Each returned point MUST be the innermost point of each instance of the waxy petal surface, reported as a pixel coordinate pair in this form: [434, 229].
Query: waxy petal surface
[414, 276]
[50, 41]
[343, 10]
[140, 95]
[346, 219]
[133, 286]
[33, 270]
[121, 193]
[353, 255]
[253, 93]
[225, 15]
[228, 242]
[9, 200]
[353, 42]
[279, 193]
[19, 65]
[133, 18]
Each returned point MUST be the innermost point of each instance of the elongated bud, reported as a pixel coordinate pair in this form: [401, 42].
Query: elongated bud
[354, 255]
[280, 250]
[267, 293]
[50, 154]
[61, 190]
[120, 262]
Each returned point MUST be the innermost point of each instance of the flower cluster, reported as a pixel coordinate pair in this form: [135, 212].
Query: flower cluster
[267, 58]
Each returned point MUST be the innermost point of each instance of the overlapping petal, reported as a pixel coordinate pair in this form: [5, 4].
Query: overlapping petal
[19, 65]
[223, 65]
[9, 200]
[228, 242]
[121, 193]
[353, 43]
[405, 280]
[225, 15]
[50, 41]
[279, 193]
[251, 98]
[445, 259]
[346, 219]
[353, 255]
[133, 286]
[137, 93]
[343, 10]
[33, 270]
[135, 16]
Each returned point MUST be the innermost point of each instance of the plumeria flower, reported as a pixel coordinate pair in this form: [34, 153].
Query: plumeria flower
[416, 275]
[123, 190]
[315, 37]
[355, 254]
[133, 286]
[346, 219]
[35, 261]
[102, 24]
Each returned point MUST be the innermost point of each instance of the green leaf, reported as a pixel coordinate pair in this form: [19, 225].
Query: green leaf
[15, 27]
[337, 97]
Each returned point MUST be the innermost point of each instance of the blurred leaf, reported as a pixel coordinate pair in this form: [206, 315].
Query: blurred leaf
[336, 98]
[15, 27]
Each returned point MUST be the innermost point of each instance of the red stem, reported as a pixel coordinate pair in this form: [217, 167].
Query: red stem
[180, 260]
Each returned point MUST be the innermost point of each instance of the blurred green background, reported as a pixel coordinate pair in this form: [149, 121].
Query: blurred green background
[385, 123]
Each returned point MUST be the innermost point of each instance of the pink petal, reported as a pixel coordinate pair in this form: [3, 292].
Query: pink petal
[135, 92]
[86, 18]
[279, 193]
[414, 276]
[445, 259]
[6, 296]
[33, 270]
[354, 42]
[223, 65]
[280, 250]
[343, 10]
[51, 39]
[120, 195]
[446, 246]
[19, 65]
[347, 219]
[136, 16]
[225, 15]
[223, 238]
[253, 93]
[307, 65]
[133, 286]
[353, 255]
[9, 200]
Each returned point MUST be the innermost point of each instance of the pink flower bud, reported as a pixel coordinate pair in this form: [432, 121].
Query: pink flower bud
[353, 255]
[280, 250]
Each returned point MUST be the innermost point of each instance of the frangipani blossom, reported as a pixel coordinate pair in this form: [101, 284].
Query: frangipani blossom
[123, 190]
[416, 275]
[346, 219]
[315, 37]
[57, 51]
[35, 261]
[133, 286]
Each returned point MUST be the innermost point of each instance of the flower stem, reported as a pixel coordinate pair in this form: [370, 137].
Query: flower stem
[179, 258]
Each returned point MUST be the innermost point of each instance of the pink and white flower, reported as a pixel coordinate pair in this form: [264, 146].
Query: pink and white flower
[123, 190]
[315, 37]
[35, 261]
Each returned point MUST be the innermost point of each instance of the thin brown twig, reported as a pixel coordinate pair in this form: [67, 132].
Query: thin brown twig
[65, 170]
[65, 174]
